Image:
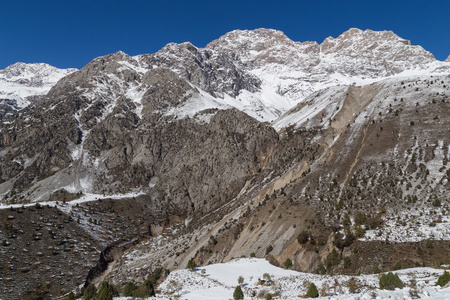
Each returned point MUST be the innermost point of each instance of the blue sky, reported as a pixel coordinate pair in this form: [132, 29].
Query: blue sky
[68, 33]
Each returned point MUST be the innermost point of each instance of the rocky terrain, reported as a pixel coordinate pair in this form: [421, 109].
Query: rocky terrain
[256, 145]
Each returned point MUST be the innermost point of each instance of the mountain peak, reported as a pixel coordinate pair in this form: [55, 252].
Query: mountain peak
[357, 36]
[257, 39]
[376, 46]
[29, 70]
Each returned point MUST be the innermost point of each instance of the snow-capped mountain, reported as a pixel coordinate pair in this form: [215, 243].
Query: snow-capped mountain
[234, 150]
[294, 70]
[20, 83]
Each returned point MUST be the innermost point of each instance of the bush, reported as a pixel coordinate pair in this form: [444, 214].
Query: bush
[288, 263]
[238, 294]
[191, 264]
[312, 291]
[145, 290]
[390, 281]
[106, 291]
[352, 285]
[443, 279]
[303, 237]
[377, 270]
[332, 260]
[347, 262]
[129, 289]
[89, 292]
[360, 218]
[240, 280]
[71, 296]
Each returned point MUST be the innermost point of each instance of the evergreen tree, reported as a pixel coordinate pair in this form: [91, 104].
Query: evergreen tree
[129, 289]
[288, 263]
[191, 264]
[145, 290]
[390, 281]
[312, 291]
[89, 292]
[238, 294]
[71, 296]
[443, 279]
[106, 291]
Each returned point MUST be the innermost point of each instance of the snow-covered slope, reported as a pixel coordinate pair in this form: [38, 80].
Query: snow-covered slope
[20, 82]
[218, 281]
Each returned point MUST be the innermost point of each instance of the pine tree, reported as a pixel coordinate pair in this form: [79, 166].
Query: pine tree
[288, 263]
[89, 292]
[238, 294]
[191, 265]
[390, 281]
[129, 289]
[106, 291]
[312, 291]
[443, 279]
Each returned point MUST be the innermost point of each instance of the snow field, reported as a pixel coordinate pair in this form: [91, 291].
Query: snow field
[218, 281]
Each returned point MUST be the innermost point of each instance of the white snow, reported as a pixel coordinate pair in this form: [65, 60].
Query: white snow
[20, 80]
[86, 197]
[218, 281]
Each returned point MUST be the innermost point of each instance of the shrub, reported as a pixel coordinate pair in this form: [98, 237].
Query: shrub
[191, 264]
[390, 281]
[129, 289]
[352, 285]
[71, 296]
[106, 291]
[240, 280]
[360, 218]
[437, 203]
[303, 237]
[89, 292]
[332, 259]
[238, 294]
[145, 290]
[288, 263]
[377, 270]
[252, 254]
[312, 291]
[347, 262]
[443, 279]
[269, 297]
